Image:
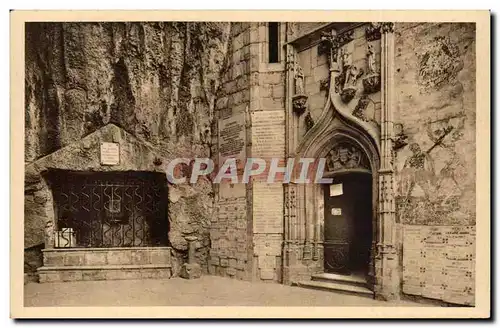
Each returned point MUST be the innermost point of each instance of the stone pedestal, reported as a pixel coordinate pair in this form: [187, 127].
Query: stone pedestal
[191, 270]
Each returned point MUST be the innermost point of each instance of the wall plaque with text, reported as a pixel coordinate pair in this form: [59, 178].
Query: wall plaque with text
[110, 153]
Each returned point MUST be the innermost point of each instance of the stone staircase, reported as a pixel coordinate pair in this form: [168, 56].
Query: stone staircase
[74, 264]
[344, 284]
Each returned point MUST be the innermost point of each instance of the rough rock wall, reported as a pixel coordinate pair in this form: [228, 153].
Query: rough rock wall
[157, 81]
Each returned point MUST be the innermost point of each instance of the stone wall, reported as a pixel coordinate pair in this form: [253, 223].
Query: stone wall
[156, 81]
[435, 158]
[229, 232]
[253, 92]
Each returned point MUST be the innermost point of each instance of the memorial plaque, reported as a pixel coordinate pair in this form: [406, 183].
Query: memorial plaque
[267, 262]
[232, 137]
[267, 207]
[438, 262]
[110, 153]
[268, 134]
[267, 244]
[232, 140]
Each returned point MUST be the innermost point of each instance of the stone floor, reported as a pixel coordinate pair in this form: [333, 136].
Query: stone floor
[208, 291]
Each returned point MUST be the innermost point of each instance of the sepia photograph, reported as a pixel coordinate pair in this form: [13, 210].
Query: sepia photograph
[329, 161]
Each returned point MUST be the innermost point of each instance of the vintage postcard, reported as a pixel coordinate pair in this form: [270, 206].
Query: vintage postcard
[323, 164]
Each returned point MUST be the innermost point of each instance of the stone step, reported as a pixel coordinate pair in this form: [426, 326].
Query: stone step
[105, 272]
[336, 287]
[339, 278]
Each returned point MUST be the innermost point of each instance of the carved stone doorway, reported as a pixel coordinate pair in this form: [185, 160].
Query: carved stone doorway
[348, 224]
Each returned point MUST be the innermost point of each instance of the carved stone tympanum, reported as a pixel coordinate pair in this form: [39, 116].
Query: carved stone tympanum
[346, 156]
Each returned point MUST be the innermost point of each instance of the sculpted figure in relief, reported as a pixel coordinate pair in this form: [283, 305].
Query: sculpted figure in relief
[299, 80]
[371, 59]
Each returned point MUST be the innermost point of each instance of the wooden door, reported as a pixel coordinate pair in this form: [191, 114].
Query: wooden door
[348, 226]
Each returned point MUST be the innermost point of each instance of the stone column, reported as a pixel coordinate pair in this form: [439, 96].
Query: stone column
[387, 260]
[191, 270]
[291, 140]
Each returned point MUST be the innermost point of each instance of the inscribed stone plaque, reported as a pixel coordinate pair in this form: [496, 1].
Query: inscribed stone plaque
[110, 153]
[268, 134]
[267, 244]
[438, 262]
[267, 262]
[232, 142]
[267, 207]
[232, 137]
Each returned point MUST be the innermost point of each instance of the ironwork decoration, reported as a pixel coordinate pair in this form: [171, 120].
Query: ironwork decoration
[111, 209]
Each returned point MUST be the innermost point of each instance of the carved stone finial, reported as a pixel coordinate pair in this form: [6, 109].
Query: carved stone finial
[375, 30]
[372, 32]
[387, 27]
[331, 43]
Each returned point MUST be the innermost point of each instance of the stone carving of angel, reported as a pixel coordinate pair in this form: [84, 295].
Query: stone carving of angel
[351, 76]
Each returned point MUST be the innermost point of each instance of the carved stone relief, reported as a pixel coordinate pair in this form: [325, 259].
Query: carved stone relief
[360, 110]
[299, 100]
[371, 83]
[309, 121]
[346, 156]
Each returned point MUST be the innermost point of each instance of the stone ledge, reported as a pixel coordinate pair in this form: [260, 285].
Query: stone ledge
[104, 249]
[60, 274]
[107, 256]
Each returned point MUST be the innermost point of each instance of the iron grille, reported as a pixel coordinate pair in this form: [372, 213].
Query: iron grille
[110, 209]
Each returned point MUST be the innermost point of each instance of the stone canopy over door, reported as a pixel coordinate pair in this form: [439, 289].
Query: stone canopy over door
[350, 125]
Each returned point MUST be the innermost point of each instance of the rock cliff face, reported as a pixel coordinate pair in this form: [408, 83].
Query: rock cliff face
[157, 81]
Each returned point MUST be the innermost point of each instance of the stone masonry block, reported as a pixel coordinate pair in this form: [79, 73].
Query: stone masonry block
[71, 258]
[95, 258]
[266, 274]
[117, 257]
[71, 275]
[233, 262]
[53, 259]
